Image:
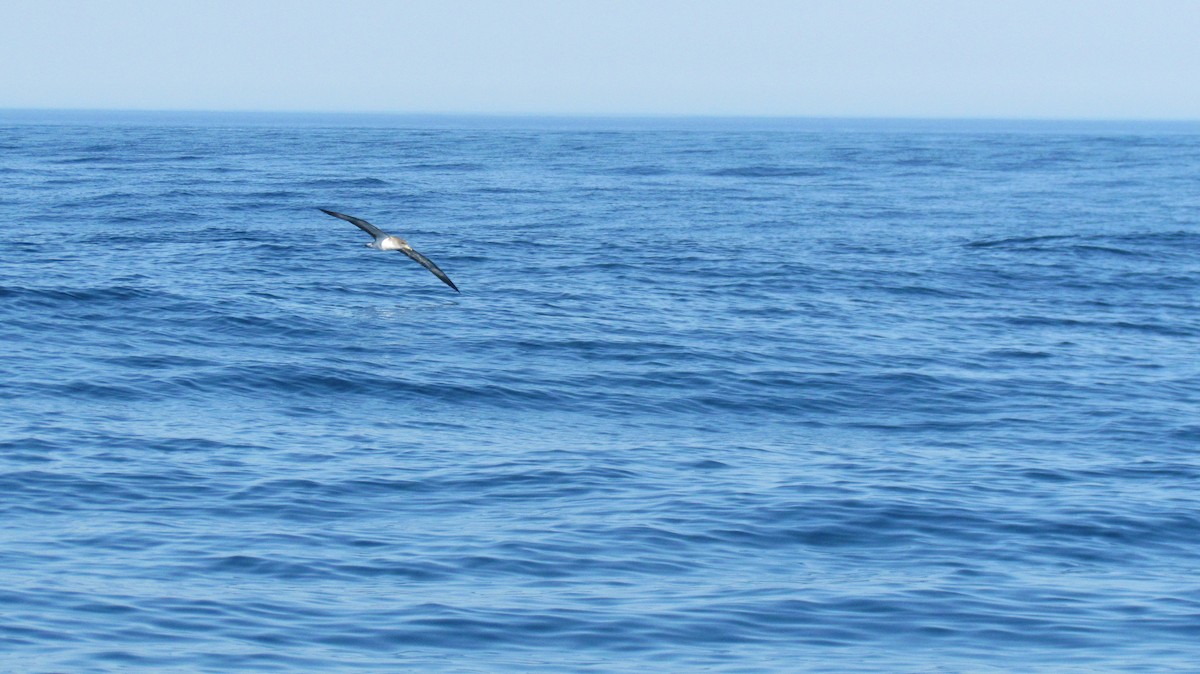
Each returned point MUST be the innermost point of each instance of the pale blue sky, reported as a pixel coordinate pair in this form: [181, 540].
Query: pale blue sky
[1084, 59]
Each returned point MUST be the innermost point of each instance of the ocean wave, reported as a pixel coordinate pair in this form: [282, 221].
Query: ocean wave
[345, 182]
[1019, 240]
[55, 297]
[767, 171]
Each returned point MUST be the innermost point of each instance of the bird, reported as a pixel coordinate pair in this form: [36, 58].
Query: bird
[384, 241]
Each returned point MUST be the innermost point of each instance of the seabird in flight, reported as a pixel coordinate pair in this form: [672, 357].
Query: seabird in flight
[387, 242]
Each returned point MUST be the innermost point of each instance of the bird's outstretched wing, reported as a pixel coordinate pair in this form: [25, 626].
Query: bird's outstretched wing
[358, 222]
[428, 264]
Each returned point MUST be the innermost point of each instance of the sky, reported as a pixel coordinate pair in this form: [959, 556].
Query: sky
[1032, 59]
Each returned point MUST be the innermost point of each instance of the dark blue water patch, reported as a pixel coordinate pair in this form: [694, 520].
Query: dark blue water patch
[275, 194]
[767, 171]
[345, 182]
[908, 160]
[150, 362]
[506, 190]
[451, 167]
[98, 159]
[1019, 241]
[1120, 246]
[641, 170]
[57, 297]
[1103, 326]
[1110, 250]
[1003, 354]
[927, 291]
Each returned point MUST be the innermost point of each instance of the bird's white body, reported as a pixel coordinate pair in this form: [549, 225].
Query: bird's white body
[389, 243]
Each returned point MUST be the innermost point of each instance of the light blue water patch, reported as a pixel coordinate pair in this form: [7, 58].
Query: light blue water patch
[716, 396]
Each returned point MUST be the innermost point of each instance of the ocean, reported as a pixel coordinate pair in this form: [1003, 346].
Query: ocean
[717, 395]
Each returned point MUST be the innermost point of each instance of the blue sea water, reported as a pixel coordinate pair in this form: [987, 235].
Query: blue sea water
[717, 395]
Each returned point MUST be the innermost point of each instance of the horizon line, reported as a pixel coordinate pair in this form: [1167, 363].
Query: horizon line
[631, 116]
[611, 116]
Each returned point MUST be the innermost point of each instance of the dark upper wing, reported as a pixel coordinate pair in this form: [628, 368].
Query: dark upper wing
[358, 222]
[428, 264]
